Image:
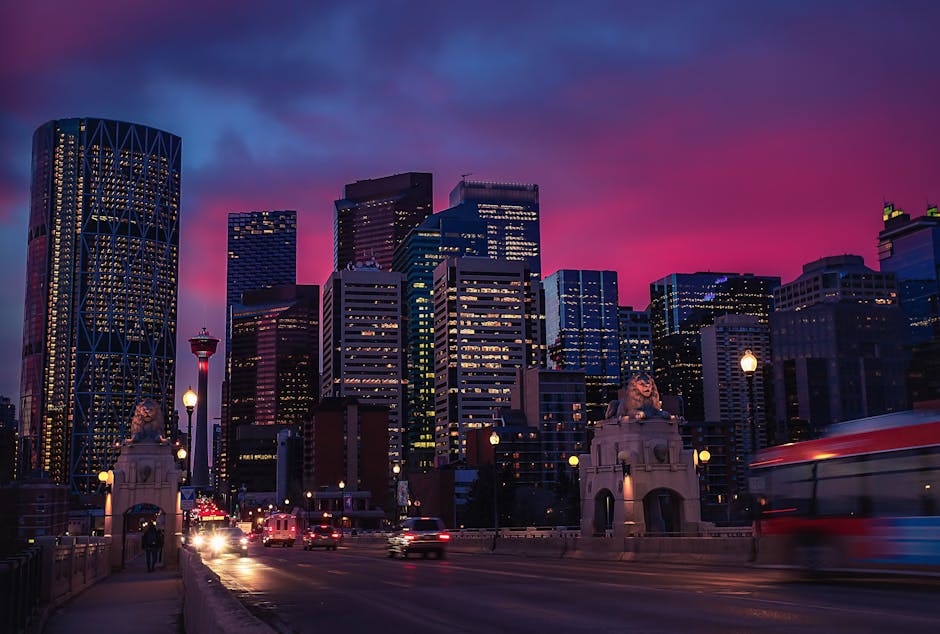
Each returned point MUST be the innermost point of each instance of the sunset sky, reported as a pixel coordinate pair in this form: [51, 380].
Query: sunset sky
[681, 137]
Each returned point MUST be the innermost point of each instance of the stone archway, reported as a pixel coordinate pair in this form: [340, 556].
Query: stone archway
[663, 511]
[135, 520]
[603, 512]
[145, 475]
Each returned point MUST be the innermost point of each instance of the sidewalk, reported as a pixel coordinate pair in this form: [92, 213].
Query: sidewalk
[132, 600]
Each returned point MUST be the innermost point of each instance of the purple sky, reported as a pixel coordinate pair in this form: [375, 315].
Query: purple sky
[749, 136]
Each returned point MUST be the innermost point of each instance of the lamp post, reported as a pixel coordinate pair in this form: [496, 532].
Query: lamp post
[189, 402]
[573, 462]
[396, 471]
[703, 457]
[494, 440]
[749, 365]
[308, 495]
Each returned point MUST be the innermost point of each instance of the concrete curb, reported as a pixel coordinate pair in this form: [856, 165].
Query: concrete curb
[208, 606]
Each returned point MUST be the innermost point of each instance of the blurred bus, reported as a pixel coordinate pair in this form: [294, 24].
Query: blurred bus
[864, 497]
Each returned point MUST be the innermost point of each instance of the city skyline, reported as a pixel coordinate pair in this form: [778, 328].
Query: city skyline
[767, 137]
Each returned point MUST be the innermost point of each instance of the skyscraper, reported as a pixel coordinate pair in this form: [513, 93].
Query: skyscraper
[838, 339]
[101, 290]
[375, 215]
[910, 248]
[487, 220]
[581, 331]
[680, 305]
[275, 363]
[363, 356]
[480, 340]
[262, 252]
[636, 342]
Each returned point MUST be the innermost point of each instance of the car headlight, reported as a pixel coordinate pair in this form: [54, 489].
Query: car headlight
[244, 541]
[198, 541]
[218, 542]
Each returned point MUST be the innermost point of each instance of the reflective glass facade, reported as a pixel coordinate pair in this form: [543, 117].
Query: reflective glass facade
[101, 291]
[911, 250]
[636, 342]
[375, 215]
[581, 331]
[262, 252]
[680, 305]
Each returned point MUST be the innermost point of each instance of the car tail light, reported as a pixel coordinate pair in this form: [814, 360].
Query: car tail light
[409, 538]
[334, 535]
[444, 537]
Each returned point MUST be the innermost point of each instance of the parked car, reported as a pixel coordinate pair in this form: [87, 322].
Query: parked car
[321, 536]
[227, 540]
[423, 535]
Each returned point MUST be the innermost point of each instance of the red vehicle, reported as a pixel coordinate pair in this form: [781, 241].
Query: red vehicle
[865, 497]
[322, 536]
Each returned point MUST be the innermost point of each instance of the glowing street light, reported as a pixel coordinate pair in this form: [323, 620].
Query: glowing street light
[494, 440]
[189, 402]
[749, 366]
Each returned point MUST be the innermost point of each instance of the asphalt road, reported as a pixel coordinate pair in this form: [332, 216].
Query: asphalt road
[359, 589]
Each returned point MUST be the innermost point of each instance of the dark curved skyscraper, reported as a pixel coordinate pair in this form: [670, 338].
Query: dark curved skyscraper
[101, 291]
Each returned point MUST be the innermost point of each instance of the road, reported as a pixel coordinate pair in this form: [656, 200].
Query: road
[359, 589]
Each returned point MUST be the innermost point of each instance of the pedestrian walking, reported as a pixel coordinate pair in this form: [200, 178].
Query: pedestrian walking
[150, 546]
[160, 536]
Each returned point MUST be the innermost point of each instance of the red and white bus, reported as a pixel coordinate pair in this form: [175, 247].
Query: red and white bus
[865, 497]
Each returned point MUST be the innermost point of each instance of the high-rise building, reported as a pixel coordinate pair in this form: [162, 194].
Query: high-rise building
[487, 220]
[8, 433]
[363, 355]
[101, 291]
[481, 337]
[680, 305]
[554, 402]
[375, 215]
[510, 212]
[636, 342]
[262, 252]
[582, 331]
[275, 362]
[838, 345]
[726, 387]
[910, 248]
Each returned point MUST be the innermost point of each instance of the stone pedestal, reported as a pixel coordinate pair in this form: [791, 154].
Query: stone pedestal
[638, 477]
[145, 472]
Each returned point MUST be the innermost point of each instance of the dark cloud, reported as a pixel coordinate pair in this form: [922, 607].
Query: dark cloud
[719, 135]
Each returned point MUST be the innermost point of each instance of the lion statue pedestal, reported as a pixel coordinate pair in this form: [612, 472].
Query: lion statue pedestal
[638, 479]
[146, 472]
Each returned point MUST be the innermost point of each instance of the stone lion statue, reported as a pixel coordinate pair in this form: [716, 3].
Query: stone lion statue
[147, 422]
[642, 399]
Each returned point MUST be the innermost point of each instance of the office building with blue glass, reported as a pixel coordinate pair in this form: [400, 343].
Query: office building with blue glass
[582, 331]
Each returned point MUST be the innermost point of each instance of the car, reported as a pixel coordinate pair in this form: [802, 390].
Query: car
[227, 540]
[423, 535]
[321, 536]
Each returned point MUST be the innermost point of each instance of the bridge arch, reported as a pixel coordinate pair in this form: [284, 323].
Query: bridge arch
[603, 511]
[662, 508]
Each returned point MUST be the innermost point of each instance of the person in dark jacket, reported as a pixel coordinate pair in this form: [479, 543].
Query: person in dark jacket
[160, 537]
[151, 537]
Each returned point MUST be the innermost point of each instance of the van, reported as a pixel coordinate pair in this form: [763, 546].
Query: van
[279, 528]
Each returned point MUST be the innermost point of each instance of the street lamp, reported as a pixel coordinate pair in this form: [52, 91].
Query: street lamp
[749, 365]
[308, 495]
[396, 470]
[703, 457]
[189, 402]
[494, 440]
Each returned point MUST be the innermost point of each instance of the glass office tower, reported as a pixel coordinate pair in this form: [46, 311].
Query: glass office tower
[680, 305]
[101, 291]
[581, 331]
